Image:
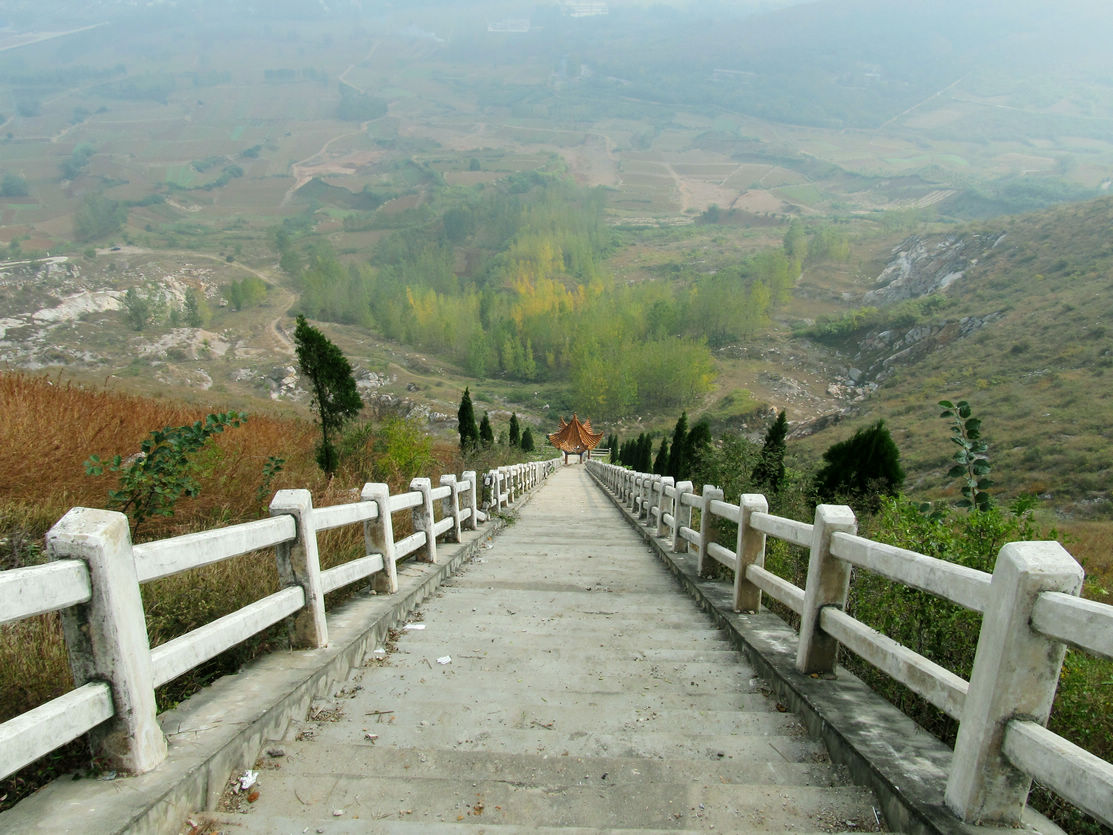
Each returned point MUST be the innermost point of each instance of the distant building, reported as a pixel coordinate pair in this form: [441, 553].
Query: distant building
[509, 25]
[585, 8]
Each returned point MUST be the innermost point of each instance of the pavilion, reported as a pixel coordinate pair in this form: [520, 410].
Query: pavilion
[575, 438]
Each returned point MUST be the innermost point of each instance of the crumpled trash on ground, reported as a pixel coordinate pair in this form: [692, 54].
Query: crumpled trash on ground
[445, 659]
[248, 779]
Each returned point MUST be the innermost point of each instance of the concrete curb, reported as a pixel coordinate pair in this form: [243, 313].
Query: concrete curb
[883, 749]
[220, 731]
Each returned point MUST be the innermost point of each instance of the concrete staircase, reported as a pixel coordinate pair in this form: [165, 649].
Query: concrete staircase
[560, 682]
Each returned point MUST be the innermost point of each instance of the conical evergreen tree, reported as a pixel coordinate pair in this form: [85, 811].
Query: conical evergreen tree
[469, 432]
[486, 433]
[515, 431]
[661, 462]
[645, 453]
[864, 467]
[697, 443]
[678, 458]
[769, 472]
[527, 440]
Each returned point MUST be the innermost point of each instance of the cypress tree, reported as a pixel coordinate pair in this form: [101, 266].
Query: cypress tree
[769, 472]
[661, 462]
[334, 388]
[678, 459]
[527, 440]
[697, 443]
[486, 433]
[864, 467]
[515, 431]
[645, 453]
[469, 432]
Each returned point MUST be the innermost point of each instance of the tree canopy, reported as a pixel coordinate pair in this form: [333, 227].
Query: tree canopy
[864, 467]
[465, 417]
[769, 472]
[334, 388]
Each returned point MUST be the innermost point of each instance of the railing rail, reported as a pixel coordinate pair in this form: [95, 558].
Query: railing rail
[1031, 613]
[94, 578]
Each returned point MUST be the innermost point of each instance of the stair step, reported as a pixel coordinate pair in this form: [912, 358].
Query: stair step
[581, 693]
[617, 637]
[390, 683]
[310, 758]
[763, 743]
[477, 713]
[398, 824]
[519, 801]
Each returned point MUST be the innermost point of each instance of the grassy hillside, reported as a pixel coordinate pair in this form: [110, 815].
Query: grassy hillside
[1026, 336]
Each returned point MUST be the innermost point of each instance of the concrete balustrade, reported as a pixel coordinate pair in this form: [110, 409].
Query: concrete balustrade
[94, 582]
[1031, 613]
[107, 637]
[681, 515]
[299, 564]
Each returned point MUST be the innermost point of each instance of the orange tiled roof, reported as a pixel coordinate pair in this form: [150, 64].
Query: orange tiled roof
[575, 437]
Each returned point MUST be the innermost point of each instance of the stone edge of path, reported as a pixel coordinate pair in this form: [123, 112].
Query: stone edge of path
[882, 748]
[221, 730]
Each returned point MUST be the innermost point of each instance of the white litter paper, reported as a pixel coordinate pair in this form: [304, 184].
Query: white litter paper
[445, 659]
[415, 626]
[247, 780]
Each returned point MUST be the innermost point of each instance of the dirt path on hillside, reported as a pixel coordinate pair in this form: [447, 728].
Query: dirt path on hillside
[317, 163]
[283, 298]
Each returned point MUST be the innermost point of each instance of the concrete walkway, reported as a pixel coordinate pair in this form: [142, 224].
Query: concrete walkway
[560, 681]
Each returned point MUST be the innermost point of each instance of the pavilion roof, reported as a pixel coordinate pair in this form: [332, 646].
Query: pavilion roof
[575, 436]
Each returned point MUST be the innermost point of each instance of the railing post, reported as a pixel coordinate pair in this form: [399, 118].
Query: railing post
[473, 500]
[378, 535]
[1016, 671]
[749, 551]
[708, 526]
[652, 483]
[423, 516]
[299, 564]
[681, 517]
[107, 637]
[491, 492]
[828, 583]
[666, 483]
[450, 507]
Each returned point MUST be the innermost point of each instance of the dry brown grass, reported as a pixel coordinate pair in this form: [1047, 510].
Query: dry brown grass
[50, 428]
[1091, 543]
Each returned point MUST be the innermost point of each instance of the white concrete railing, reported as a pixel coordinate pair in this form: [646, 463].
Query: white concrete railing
[96, 572]
[1031, 612]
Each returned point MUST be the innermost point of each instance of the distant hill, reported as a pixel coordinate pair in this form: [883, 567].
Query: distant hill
[1023, 330]
[862, 63]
